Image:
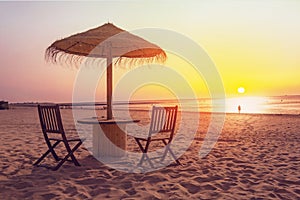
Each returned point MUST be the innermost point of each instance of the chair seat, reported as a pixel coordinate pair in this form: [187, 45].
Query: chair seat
[153, 139]
[69, 140]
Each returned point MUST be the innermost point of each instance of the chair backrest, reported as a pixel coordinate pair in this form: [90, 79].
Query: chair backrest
[50, 119]
[163, 119]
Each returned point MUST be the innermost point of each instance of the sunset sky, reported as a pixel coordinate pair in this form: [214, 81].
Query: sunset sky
[254, 44]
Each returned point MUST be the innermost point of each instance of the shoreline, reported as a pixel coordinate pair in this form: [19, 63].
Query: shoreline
[14, 106]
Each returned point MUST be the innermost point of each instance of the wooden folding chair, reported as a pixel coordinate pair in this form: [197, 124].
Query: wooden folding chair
[162, 128]
[54, 134]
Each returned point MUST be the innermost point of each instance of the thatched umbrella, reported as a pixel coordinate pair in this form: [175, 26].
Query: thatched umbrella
[106, 41]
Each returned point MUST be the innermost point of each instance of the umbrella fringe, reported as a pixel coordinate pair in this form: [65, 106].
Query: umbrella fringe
[56, 56]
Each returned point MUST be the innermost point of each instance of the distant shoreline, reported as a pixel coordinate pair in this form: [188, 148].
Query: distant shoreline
[16, 106]
[149, 101]
[275, 105]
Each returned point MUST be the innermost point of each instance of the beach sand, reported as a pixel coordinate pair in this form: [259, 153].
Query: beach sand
[256, 157]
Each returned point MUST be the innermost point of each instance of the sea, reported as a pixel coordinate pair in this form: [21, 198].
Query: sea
[287, 104]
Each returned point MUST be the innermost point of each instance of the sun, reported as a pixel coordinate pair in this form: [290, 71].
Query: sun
[241, 90]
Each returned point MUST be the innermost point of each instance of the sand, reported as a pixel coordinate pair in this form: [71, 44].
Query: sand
[256, 157]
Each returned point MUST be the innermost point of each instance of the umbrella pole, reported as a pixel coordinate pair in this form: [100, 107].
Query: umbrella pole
[109, 81]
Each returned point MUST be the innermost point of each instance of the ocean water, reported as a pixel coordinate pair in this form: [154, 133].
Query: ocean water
[257, 105]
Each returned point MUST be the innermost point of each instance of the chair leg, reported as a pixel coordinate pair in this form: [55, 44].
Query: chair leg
[142, 149]
[51, 149]
[70, 154]
[70, 151]
[141, 160]
[149, 161]
[144, 156]
[171, 152]
[165, 152]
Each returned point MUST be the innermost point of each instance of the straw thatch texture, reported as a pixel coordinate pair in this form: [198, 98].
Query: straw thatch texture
[102, 41]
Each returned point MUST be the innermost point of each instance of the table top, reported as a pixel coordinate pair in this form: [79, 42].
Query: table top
[98, 120]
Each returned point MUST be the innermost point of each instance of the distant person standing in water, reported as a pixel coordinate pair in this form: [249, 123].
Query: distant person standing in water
[239, 109]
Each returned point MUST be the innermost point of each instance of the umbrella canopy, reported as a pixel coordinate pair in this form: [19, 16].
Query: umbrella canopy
[106, 41]
[91, 43]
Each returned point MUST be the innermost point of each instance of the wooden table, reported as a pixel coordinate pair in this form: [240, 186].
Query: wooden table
[109, 136]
